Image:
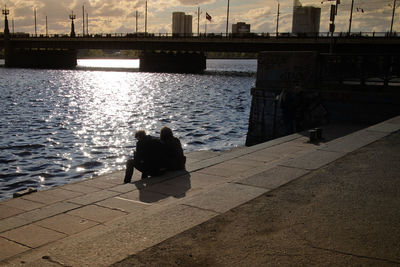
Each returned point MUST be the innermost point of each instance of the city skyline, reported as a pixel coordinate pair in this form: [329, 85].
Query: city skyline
[119, 16]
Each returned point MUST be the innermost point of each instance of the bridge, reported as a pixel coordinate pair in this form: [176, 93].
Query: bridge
[210, 43]
[178, 54]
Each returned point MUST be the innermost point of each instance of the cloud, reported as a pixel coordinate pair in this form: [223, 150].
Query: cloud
[119, 15]
[195, 2]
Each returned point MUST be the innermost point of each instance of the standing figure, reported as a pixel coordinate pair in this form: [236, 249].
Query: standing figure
[174, 158]
[292, 105]
[148, 157]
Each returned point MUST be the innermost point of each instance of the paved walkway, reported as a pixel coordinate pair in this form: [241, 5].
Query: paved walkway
[101, 221]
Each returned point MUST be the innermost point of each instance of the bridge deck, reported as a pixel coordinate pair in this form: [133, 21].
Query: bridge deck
[210, 44]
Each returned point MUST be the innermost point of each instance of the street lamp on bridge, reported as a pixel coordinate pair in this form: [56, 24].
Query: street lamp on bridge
[6, 12]
[72, 17]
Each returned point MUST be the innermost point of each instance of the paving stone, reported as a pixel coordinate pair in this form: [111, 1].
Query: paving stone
[263, 156]
[144, 196]
[123, 204]
[32, 235]
[123, 188]
[50, 196]
[11, 223]
[6, 211]
[238, 165]
[42, 197]
[115, 177]
[93, 197]
[274, 177]
[164, 188]
[97, 183]
[202, 155]
[313, 160]
[386, 127]
[225, 169]
[96, 213]
[128, 237]
[66, 224]
[9, 249]
[64, 194]
[246, 162]
[47, 211]
[78, 187]
[224, 197]
[353, 141]
[395, 120]
[22, 204]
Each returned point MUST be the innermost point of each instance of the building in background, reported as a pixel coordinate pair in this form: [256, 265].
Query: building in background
[240, 28]
[306, 19]
[181, 24]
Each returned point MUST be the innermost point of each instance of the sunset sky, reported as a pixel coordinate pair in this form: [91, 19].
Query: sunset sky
[118, 16]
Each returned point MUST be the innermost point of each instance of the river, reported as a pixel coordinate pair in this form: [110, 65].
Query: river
[60, 126]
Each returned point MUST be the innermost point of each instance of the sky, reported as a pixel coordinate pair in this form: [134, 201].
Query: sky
[118, 16]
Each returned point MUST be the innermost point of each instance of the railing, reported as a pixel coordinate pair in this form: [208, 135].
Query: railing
[360, 68]
[215, 35]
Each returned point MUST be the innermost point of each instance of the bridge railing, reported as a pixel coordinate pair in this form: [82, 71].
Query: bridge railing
[378, 69]
[215, 35]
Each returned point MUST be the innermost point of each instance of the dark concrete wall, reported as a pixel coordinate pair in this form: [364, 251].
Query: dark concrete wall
[322, 102]
[172, 62]
[25, 58]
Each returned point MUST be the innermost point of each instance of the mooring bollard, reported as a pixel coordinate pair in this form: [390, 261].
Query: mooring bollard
[313, 135]
[319, 133]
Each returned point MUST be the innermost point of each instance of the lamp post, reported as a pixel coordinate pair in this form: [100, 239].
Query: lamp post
[198, 20]
[83, 20]
[72, 17]
[351, 15]
[145, 20]
[137, 16]
[394, 11]
[277, 21]
[34, 14]
[6, 12]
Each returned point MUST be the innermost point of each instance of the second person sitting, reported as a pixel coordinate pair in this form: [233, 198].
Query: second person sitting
[174, 158]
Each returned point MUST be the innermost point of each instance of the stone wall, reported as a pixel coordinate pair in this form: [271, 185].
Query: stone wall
[277, 71]
[323, 100]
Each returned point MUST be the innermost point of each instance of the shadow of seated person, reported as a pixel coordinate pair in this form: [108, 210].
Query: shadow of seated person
[171, 184]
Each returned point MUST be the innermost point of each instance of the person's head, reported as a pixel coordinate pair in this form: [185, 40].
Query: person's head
[140, 134]
[166, 133]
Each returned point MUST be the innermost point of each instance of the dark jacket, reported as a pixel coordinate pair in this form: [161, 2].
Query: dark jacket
[174, 158]
[149, 156]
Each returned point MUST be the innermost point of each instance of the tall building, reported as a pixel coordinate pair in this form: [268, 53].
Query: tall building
[181, 24]
[240, 28]
[306, 19]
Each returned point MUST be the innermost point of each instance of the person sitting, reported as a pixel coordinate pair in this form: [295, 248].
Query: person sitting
[148, 157]
[173, 152]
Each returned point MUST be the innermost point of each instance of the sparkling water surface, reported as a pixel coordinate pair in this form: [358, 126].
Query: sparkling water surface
[59, 126]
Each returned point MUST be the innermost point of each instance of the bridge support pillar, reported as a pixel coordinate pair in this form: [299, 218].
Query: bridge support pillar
[279, 75]
[40, 58]
[175, 62]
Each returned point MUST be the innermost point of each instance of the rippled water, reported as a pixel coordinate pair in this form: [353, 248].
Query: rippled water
[58, 126]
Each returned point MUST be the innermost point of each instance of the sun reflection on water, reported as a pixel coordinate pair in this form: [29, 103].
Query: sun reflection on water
[65, 125]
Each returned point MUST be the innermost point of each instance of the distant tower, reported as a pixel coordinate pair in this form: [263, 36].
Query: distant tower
[296, 4]
[240, 29]
[306, 19]
[181, 24]
[72, 17]
[188, 25]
